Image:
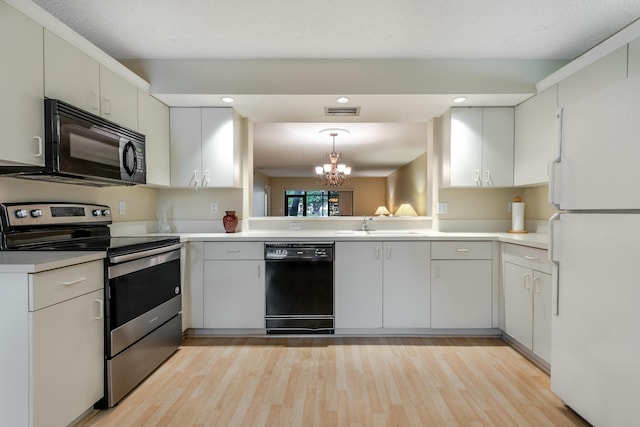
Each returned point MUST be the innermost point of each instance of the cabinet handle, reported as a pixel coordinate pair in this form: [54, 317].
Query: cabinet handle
[259, 272]
[536, 285]
[388, 252]
[526, 281]
[233, 251]
[107, 107]
[74, 282]
[476, 178]
[437, 271]
[462, 250]
[95, 101]
[100, 304]
[39, 152]
[377, 252]
[531, 258]
[205, 178]
[196, 179]
[488, 179]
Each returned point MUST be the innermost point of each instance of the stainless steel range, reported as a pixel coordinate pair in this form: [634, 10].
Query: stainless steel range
[143, 308]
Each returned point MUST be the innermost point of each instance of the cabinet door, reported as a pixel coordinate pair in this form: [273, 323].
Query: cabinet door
[535, 135]
[358, 285]
[22, 110]
[234, 294]
[406, 285]
[14, 353]
[186, 155]
[497, 147]
[153, 122]
[460, 294]
[68, 359]
[118, 99]
[218, 148]
[70, 75]
[542, 289]
[466, 147]
[518, 307]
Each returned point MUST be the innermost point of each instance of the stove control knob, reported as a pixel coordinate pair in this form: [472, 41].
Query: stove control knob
[106, 212]
[35, 213]
[21, 213]
[97, 212]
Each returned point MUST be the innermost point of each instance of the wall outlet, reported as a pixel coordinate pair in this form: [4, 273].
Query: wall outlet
[442, 208]
[294, 226]
[213, 208]
[123, 207]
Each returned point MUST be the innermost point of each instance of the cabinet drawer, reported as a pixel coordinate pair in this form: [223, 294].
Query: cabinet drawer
[461, 250]
[536, 259]
[54, 286]
[234, 250]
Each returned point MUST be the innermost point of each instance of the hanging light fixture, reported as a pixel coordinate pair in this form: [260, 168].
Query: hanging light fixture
[333, 174]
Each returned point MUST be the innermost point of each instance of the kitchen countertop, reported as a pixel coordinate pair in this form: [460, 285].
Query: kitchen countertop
[36, 261]
[535, 240]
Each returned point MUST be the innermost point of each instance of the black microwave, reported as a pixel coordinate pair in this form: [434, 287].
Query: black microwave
[82, 148]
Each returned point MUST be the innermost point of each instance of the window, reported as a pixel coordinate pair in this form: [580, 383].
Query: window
[317, 203]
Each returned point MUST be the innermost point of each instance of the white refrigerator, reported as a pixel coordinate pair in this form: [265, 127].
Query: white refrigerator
[595, 244]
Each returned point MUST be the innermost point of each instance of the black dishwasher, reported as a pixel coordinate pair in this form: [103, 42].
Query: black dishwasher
[299, 288]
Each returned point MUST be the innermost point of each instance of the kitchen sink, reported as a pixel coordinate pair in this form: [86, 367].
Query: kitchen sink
[392, 232]
[351, 233]
[376, 233]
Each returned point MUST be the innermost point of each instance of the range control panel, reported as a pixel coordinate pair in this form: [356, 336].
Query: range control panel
[44, 214]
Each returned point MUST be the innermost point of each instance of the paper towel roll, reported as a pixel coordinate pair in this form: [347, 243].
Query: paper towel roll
[517, 216]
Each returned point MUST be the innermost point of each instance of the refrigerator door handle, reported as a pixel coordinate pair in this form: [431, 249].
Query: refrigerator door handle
[555, 303]
[553, 200]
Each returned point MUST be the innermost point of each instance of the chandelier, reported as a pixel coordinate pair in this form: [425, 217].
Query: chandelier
[333, 174]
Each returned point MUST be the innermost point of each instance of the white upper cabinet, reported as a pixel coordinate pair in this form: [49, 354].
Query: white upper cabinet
[535, 135]
[76, 78]
[205, 148]
[478, 147]
[70, 75]
[602, 73]
[22, 112]
[153, 122]
[118, 99]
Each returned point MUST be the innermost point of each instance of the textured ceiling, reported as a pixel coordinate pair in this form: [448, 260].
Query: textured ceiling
[344, 28]
[286, 136]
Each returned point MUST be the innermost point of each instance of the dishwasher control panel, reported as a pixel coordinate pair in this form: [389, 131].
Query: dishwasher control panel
[289, 250]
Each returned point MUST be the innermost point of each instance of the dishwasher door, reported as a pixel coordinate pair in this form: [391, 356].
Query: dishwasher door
[299, 294]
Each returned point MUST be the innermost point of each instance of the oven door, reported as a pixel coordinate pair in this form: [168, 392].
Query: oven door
[143, 293]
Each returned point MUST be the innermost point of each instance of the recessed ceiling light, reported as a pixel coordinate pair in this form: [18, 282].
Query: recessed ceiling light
[342, 100]
[227, 99]
[459, 99]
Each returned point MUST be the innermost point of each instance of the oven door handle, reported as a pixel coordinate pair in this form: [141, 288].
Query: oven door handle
[129, 267]
[137, 255]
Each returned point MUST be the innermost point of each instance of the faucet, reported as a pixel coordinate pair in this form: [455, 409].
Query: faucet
[365, 223]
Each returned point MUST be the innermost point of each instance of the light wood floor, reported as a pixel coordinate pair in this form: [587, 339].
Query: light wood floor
[336, 381]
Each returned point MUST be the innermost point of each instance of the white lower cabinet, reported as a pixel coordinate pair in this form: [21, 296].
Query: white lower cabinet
[68, 359]
[381, 284]
[526, 282]
[52, 353]
[234, 286]
[358, 285]
[461, 285]
[405, 285]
